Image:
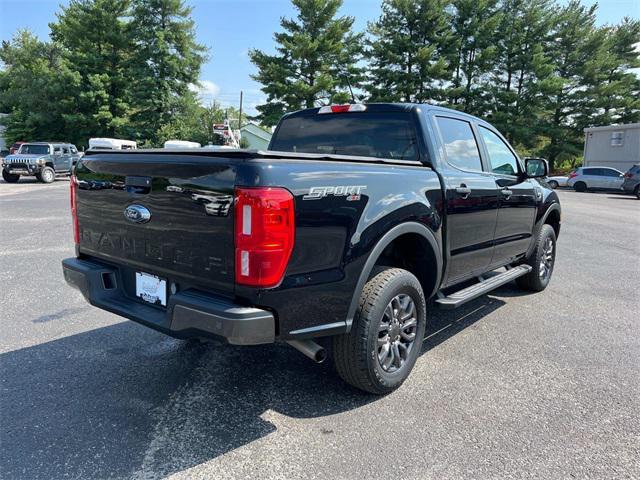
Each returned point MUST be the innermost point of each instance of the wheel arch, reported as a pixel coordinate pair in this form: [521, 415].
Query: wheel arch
[409, 231]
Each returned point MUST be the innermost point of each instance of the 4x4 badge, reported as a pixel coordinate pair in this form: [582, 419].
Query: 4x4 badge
[137, 214]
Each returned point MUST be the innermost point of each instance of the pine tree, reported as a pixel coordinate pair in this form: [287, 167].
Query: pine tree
[167, 59]
[574, 42]
[315, 55]
[613, 90]
[520, 65]
[95, 43]
[474, 27]
[407, 51]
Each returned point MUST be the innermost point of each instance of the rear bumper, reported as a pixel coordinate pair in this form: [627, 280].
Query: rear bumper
[188, 314]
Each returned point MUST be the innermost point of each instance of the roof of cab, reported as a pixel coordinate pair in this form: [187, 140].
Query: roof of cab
[394, 107]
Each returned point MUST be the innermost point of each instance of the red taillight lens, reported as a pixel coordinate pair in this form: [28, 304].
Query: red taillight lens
[265, 232]
[572, 174]
[628, 175]
[73, 186]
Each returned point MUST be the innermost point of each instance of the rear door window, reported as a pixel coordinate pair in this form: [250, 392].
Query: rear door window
[460, 146]
[389, 135]
[589, 171]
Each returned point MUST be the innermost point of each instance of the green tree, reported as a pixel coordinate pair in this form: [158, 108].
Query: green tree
[613, 89]
[167, 59]
[474, 27]
[314, 55]
[520, 64]
[407, 51]
[573, 43]
[36, 89]
[93, 37]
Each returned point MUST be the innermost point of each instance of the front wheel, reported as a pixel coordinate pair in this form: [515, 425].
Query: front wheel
[542, 261]
[47, 175]
[553, 184]
[10, 177]
[386, 336]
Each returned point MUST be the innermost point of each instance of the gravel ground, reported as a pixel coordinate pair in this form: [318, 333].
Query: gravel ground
[512, 385]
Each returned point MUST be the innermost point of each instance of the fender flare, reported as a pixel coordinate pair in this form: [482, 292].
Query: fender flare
[554, 207]
[383, 242]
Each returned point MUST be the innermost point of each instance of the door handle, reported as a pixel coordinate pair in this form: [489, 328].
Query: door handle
[463, 191]
[507, 193]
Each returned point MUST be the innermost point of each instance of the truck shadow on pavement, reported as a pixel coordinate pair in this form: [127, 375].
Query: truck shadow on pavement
[125, 402]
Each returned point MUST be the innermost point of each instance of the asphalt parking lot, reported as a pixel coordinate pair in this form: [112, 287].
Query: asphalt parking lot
[512, 385]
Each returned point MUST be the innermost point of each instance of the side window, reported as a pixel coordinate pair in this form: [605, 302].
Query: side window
[57, 150]
[65, 150]
[589, 171]
[502, 160]
[73, 149]
[459, 144]
[611, 173]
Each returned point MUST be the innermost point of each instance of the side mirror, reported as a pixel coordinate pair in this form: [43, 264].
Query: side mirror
[536, 167]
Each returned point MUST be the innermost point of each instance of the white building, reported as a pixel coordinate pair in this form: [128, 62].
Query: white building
[616, 146]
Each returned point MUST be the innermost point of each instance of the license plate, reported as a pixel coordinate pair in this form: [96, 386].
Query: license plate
[151, 289]
[18, 171]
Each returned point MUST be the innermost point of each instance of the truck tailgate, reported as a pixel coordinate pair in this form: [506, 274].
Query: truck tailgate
[189, 234]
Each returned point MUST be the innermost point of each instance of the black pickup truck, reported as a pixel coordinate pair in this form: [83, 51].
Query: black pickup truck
[357, 224]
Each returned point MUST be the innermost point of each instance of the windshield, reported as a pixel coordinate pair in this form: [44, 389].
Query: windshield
[382, 135]
[28, 149]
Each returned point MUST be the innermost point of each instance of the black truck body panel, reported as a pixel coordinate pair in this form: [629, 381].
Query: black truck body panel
[189, 240]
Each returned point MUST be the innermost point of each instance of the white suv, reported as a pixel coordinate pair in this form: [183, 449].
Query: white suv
[595, 178]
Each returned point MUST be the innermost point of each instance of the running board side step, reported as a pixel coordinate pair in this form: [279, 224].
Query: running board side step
[484, 286]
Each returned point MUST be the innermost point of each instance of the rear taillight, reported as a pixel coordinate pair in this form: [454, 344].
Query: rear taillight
[628, 175]
[572, 174]
[73, 186]
[265, 231]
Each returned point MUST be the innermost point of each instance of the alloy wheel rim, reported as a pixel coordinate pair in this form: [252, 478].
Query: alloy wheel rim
[48, 175]
[546, 260]
[397, 333]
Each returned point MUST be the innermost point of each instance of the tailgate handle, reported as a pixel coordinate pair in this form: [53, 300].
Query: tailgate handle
[138, 184]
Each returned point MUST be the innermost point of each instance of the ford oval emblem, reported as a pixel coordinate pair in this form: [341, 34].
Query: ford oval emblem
[137, 214]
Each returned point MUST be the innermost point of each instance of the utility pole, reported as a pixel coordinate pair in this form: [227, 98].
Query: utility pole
[240, 116]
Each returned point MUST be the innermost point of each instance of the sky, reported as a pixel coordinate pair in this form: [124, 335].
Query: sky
[231, 27]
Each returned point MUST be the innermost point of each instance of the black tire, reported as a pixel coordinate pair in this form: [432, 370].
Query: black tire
[10, 177]
[580, 187]
[553, 184]
[540, 275]
[356, 354]
[46, 175]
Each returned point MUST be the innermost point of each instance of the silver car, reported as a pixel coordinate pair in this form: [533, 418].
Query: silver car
[595, 178]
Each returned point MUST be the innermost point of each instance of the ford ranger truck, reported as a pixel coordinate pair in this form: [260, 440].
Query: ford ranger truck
[352, 230]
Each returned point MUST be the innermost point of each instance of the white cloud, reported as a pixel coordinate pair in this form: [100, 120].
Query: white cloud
[206, 90]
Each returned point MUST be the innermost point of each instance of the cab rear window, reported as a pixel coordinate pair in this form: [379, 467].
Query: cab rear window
[389, 135]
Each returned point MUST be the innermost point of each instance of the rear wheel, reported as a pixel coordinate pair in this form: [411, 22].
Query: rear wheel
[553, 184]
[47, 175]
[10, 177]
[542, 261]
[580, 187]
[386, 337]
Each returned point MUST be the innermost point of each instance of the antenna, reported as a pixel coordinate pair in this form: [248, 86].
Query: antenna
[345, 74]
